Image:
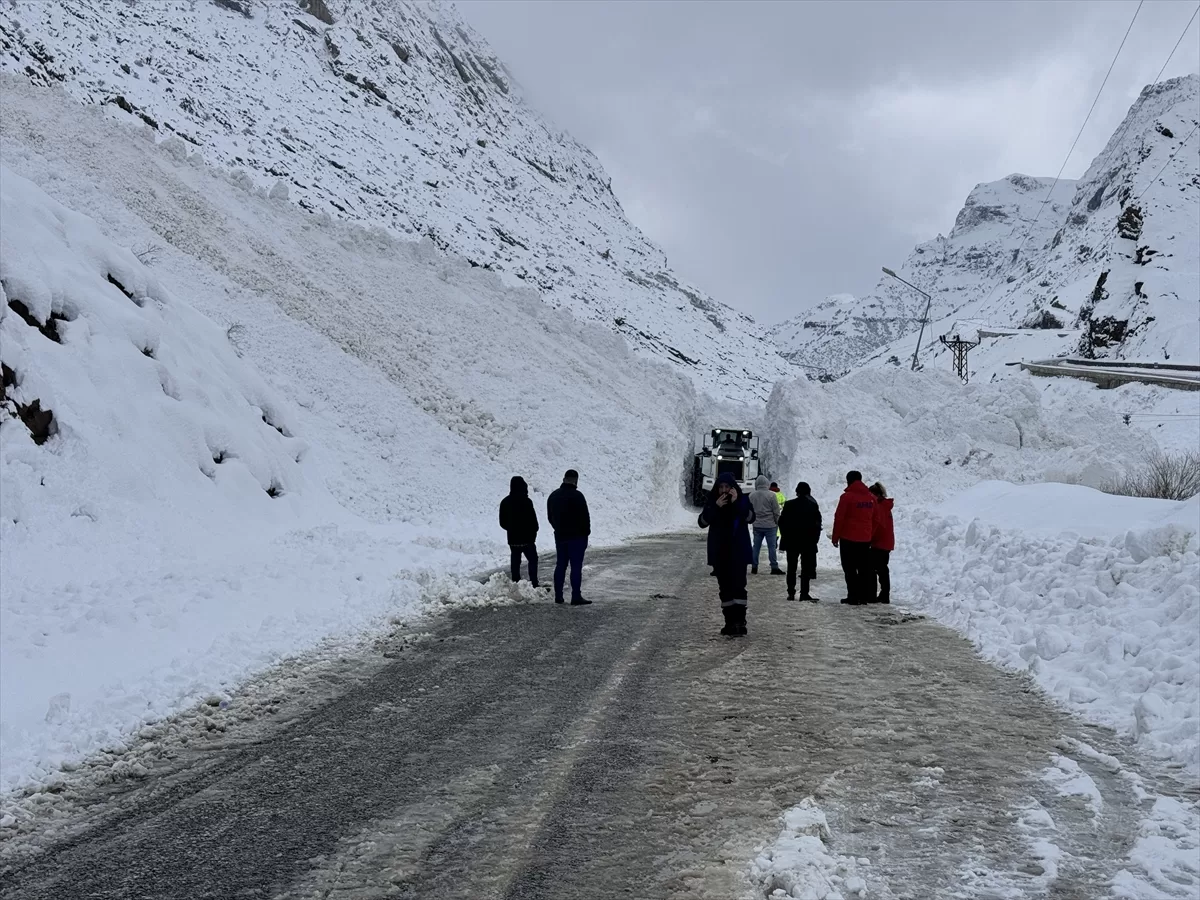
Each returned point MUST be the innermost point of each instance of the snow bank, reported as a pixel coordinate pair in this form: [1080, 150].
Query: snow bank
[1097, 596]
[927, 437]
[270, 432]
[1107, 620]
[1050, 510]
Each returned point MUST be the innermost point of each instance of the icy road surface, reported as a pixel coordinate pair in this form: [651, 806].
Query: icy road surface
[619, 750]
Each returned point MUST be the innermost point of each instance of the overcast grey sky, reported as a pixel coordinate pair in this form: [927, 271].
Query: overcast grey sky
[780, 152]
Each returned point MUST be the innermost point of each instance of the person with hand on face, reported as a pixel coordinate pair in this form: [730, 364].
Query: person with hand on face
[853, 525]
[727, 515]
[567, 511]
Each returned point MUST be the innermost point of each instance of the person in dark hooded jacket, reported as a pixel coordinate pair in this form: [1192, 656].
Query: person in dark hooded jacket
[519, 519]
[800, 532]
[727, 516]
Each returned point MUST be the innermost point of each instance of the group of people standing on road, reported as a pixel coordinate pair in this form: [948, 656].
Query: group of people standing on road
[862, 532]
[567, 511]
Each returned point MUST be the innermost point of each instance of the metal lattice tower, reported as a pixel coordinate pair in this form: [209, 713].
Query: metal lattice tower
[960, 348]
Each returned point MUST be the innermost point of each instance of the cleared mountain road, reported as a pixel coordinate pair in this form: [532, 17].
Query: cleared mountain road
[618, 750]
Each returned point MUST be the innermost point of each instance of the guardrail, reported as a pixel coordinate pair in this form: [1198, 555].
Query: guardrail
[1113, 373]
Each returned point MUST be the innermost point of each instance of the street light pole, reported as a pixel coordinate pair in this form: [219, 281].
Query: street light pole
[924, 318]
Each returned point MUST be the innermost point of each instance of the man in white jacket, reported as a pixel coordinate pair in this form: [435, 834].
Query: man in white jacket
[766, 522]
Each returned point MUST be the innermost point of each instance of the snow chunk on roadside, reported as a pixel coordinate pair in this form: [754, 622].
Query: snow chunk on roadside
[800, 865]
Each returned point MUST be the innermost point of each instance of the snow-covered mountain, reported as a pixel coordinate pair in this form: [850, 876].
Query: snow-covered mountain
[1110, 269]
[394, 114]
[842, 329]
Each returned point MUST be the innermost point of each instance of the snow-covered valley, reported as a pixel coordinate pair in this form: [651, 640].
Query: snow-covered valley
[262, 400]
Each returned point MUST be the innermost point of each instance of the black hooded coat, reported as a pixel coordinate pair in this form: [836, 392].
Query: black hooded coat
[517, 515]
[728, 536]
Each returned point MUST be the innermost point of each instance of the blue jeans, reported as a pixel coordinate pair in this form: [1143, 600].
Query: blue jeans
[772, 540]
[569, 550]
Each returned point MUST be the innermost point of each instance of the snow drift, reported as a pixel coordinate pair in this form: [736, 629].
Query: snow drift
[927, 436]
[1105, 613]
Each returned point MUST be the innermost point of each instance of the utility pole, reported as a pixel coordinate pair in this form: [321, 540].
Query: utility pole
[924, 318]
[960, 348]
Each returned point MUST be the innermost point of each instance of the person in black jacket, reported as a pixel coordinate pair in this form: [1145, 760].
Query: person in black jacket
[727, 516]
[567, 511]
[800, 532]
[519, 519]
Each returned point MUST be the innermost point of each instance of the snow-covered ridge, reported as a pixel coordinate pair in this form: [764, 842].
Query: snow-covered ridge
[1112, 261]
[398, 114]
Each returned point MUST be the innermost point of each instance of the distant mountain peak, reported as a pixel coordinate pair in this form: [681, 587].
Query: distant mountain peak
[1113, 255]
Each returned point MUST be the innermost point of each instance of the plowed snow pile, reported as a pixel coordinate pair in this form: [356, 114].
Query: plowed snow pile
[268, 431]
[1001, 533]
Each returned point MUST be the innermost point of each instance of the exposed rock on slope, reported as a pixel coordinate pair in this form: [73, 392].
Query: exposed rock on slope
[393, 113]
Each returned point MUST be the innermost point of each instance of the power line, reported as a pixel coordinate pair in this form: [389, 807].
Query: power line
[1054, 184]
[1167, 163]
[1086, 119]
[1116, 140]
[1177, 43]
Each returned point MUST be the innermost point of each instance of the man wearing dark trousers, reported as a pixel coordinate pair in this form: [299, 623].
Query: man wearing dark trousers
[519, 519]
[567, 511]
[799, 533]
[853, 524]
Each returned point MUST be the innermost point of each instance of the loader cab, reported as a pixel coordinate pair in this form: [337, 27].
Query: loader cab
[730, 447]
[732, 450]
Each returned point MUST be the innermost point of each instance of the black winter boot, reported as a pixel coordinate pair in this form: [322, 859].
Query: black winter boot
[730, 628]
[804, 594]
[741, 619]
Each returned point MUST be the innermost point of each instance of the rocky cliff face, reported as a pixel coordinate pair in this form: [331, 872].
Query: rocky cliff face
[1113, 256]
[394, 113]
[1124, 267]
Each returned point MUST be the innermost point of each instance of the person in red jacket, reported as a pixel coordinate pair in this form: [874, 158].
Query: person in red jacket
[883, 542]
[853, 525]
